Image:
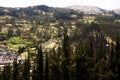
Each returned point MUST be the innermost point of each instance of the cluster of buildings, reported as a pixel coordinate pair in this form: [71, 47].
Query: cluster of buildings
[7, 56]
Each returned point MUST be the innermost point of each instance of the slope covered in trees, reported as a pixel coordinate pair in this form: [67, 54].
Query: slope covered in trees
[60, 44]
[79, 62]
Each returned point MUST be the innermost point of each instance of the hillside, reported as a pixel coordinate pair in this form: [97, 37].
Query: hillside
[34, 10]
[49, 43]
[87, 9]
[36, 19]
[117, 11]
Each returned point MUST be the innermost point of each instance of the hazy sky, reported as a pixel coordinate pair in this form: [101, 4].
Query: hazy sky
[105, 4]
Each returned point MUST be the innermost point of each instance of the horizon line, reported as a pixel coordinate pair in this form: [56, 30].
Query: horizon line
[54, 6]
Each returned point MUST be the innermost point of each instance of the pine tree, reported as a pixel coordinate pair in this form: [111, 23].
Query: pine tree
[117, 60]
[55, 65]
[80, 63]
[26, 70]
[66, 62]
[6, 73]
[46, 68]
[15, 70]
[39, 63]
[90, 60]
[34, 74]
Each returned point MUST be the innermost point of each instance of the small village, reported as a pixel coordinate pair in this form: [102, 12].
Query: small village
[75, 42]
[7, 56]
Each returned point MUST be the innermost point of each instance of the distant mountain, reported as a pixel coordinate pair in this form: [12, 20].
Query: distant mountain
[87, 9]
[75, 9]
[43, 8]
[117, 11]
[54, 9]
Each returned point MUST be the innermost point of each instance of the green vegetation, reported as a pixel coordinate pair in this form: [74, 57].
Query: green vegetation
[15, 40]
[14, 43]
[86, 62]
[60, 44]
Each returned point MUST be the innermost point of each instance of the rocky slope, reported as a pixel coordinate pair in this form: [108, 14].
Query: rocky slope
[117, 11]
[87, 9]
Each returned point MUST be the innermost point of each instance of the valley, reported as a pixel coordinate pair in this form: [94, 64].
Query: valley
[43, 41]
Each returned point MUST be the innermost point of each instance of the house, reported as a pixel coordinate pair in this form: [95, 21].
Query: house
[7, 56]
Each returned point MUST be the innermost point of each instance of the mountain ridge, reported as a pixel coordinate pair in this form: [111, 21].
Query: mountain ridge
[78, 8]
[87, 9]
